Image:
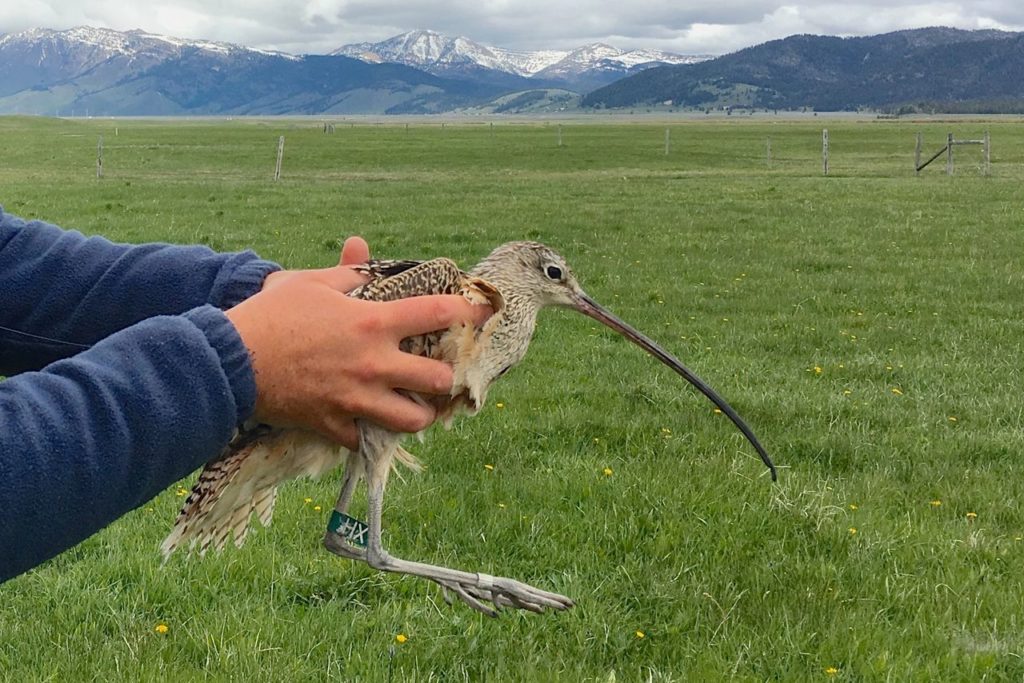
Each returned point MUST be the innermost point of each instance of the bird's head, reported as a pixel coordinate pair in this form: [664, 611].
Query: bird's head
[537, 274]
[534, 271]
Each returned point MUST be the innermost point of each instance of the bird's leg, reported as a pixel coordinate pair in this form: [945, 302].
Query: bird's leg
[334, 540]
[473, 588]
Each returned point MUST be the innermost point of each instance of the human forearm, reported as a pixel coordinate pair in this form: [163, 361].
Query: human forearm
[63, 286]
[92, 437]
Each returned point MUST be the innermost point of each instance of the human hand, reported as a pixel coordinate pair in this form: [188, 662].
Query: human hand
[323, 359]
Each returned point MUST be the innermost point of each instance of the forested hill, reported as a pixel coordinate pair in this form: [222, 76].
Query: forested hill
[942, 68]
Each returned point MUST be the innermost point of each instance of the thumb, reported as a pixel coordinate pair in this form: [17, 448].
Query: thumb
[354, 251]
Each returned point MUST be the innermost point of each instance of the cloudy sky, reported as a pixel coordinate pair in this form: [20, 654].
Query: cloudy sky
[687, 26]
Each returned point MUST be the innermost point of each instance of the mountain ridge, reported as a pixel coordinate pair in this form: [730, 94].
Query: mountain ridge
[580, 68]
[932, 67]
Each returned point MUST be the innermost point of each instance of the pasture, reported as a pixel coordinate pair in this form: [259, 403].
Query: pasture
[868, 325]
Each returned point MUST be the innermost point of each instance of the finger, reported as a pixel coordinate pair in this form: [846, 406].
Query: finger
[342, 430]
[399, 413]
[423, 314]
[415, 373]
[342, 278]
[355, 251]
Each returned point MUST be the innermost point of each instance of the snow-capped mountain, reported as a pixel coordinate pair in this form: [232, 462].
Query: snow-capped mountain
[90, 71]
[90, 46]
[443, 55]
[101, 72]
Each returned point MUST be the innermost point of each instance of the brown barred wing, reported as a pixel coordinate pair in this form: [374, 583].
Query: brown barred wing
[392, 280]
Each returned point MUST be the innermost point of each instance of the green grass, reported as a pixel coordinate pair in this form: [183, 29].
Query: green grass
[866, 324]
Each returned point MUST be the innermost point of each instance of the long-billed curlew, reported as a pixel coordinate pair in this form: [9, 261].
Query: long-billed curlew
[517, 280]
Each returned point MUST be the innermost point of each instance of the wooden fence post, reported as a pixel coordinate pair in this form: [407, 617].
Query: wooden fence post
[988, 155]
[667, 141]
[280, 156]
[949, 154]
[768, 151]
[824, 150]
[917, 155]
[99, 158]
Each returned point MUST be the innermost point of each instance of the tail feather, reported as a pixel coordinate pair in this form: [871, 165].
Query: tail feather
[243, 483]
[192, 523]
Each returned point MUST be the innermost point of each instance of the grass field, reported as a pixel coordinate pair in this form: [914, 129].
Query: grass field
[866, 324]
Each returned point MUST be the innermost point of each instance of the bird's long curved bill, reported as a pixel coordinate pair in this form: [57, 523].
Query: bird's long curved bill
[587, 306]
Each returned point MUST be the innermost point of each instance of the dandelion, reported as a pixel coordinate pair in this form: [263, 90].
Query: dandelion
[307, 501]
[853, 531]
[499, 406]
[846, 392]
[597, 440]
[161, 629]
[718, 411]
[489, 468]
[936, 503]
[971, 516]
[831, 671]
[897, 391]
[608, 471]
[316, 508]
[817, 370]
[853, 506]
[640, 635]
[181, 492]
[951, 418]
[501, 505]
[401, 638]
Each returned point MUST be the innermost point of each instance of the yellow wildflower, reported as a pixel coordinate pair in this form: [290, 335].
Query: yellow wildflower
[489, 468]
[640, 634]
[897, 391]
[853, 506]
[161, 629]
[401, 638]
[316, 508]
[307, 501]
[951, 418]
[607, 471]
[936, 503]
[972, 516]
[817, 370]
[499, 406]
[831, 671]
[181, 492]
[853, 530]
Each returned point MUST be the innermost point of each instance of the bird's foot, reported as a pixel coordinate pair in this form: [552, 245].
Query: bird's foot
[477, 590]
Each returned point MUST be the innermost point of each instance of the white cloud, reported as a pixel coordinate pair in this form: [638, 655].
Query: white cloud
[701, 26]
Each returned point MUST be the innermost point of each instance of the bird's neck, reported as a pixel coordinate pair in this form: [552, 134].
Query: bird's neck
[518, 317]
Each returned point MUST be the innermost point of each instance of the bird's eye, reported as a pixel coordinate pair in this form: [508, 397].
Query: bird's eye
[554, 272]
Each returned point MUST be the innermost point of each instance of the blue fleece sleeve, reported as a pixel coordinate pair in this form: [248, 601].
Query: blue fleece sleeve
[89, 438]
[61, 292]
